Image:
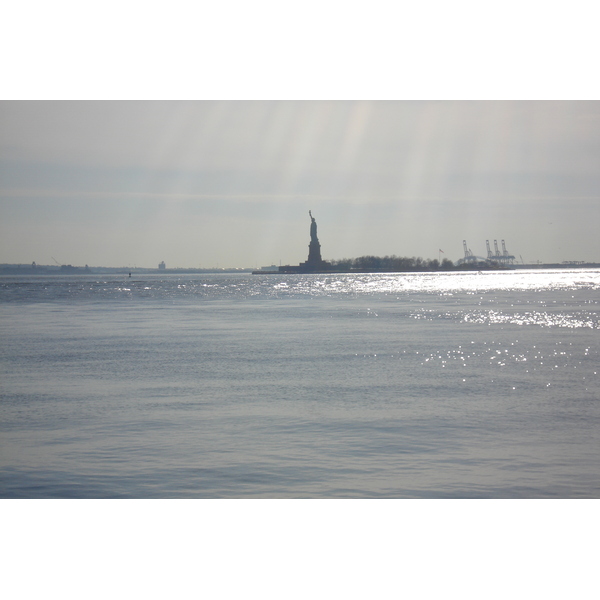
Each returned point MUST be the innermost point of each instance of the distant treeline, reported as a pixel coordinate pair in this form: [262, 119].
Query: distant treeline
[392, 263]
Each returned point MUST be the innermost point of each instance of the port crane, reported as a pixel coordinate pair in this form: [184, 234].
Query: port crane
[503, 257]
[506, 257]
[497, 255]
[468, 253]
[493, 257]
[469, 256]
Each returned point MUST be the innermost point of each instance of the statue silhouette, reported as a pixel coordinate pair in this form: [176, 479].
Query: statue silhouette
[313, 229]
[314, 264]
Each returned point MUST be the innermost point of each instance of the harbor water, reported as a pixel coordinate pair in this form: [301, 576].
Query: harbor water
[420, 385]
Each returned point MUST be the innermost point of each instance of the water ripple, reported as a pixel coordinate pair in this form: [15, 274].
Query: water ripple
[242, 286]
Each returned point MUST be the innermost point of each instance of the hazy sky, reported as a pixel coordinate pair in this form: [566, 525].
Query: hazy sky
[231, 183]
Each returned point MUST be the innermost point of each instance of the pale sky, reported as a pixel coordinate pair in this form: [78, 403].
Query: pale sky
[230, 183]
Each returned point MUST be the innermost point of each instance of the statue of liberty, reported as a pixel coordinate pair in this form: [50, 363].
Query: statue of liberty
[314, 248]
[314, 264]
[313, 228]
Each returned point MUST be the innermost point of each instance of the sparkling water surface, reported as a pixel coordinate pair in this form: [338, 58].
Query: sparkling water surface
[444, 385]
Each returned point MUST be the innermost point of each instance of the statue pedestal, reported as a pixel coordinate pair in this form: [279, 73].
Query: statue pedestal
[314, 253]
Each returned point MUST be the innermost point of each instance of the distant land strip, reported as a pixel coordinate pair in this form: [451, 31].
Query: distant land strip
[362, 264]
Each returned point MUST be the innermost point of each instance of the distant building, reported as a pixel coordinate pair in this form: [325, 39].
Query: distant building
[162, 265]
